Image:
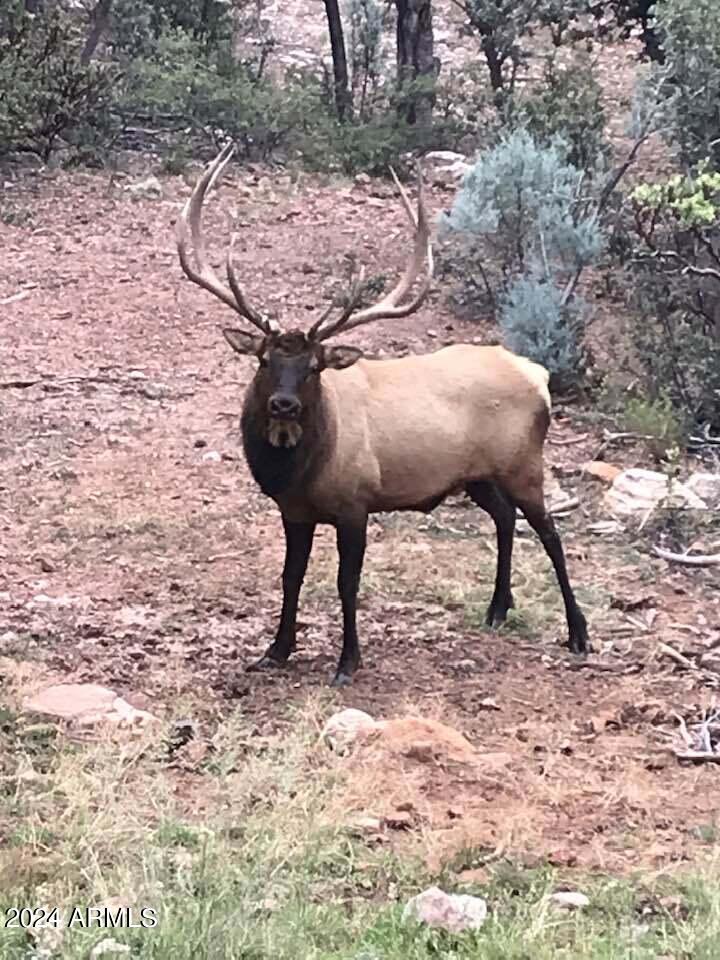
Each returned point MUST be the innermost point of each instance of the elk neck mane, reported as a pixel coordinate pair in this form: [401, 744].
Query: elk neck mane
[278, 470]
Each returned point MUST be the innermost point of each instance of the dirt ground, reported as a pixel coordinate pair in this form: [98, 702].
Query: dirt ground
[137, 552]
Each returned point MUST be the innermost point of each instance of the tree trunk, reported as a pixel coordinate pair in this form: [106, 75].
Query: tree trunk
[416, 66]
[343, 100]
[100, 21]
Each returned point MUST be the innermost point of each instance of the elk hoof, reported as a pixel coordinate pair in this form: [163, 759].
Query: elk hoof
[265, 662]
[341, 679]
[495, 618]
[578, 641]
[579, 646]
[497, 612]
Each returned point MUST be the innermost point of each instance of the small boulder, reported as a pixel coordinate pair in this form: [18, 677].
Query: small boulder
[444, 156]
[570, 900]
[636, 491]
[453, 912]
[86, 705]
[346, 728]
[71, 700]
[149, 188]
[707, 487]
[447, 167]
[109, 948]
[600, 470]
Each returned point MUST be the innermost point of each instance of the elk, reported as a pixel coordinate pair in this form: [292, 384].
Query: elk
[332, 436]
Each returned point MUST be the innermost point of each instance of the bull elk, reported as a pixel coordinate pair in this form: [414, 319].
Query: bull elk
[332, 437]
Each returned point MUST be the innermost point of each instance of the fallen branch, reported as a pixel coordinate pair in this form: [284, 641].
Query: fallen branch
[18, 384]
[698, 756]
[558, 509]
[677, 656]
[15, 297]
[610, 437]
[691, 560]
[66, 380]
[215, 557]
[566, 442]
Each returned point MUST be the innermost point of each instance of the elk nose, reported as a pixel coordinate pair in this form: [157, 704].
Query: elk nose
[283, 405]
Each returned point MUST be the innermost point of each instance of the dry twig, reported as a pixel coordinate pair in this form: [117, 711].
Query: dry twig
[566, 441]
[691, 560]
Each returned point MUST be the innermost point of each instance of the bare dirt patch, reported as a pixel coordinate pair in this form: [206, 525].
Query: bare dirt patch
[137, 553]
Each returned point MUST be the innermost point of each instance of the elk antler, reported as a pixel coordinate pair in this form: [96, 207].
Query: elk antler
[391, 305]
[205, 276]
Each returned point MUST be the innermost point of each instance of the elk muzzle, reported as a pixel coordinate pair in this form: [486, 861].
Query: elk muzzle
[284, 406]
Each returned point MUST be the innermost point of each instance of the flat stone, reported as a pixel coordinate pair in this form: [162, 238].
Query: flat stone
[86, 705]
[570, 899]
[70, 700]
[453, 912]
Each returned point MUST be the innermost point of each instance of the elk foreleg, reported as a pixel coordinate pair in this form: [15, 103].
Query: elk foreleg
[298, 544]
[351, 539]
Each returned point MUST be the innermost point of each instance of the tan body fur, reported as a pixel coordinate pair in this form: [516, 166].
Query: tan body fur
[406, 432]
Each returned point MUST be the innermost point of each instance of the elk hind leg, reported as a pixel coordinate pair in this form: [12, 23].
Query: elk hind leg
[351, 540]
[529, 498]
[492, 500]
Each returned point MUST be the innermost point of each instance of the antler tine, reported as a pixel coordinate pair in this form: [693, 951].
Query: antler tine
[391, 305]
[403, 193]
[265, 323]
[204, 276]
[352, 301]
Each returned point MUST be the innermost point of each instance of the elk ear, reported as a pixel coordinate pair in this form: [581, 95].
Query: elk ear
[243, 342]
[337, 358]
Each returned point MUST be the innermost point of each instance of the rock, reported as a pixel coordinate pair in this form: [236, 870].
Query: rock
[707, 487]
[453, 912]
[109, 947]
[637, 491]
[47, 942]
[365, 825]
[86, 704]
[399, 820]
[451, 175]
[556, 499]
[148, 188]
[570, 899]
[363, 178]
[69, 700]
[445, 156]
[447, 166]
[601, 470]
[347, 727]
[212, 456]
[153, 391]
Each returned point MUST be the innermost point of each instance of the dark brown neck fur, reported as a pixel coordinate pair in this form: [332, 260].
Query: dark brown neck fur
[280, 471]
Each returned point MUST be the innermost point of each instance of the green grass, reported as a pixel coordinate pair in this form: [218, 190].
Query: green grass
[248, 859]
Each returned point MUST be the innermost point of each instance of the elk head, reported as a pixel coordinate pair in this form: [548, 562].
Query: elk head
[290, 362]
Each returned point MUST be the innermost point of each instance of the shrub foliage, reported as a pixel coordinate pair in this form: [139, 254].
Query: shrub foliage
[674, 267]
[531, 234]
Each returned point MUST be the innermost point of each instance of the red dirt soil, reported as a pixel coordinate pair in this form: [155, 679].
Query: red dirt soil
[137, 552]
